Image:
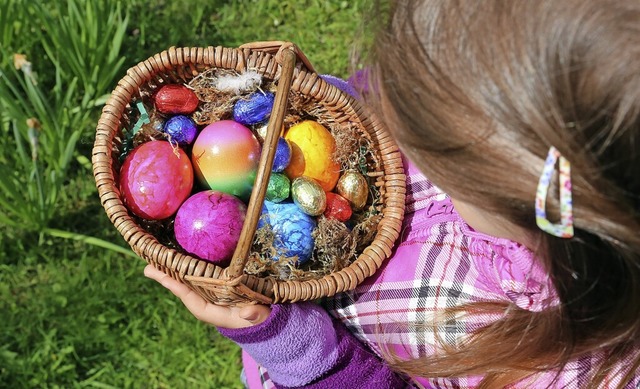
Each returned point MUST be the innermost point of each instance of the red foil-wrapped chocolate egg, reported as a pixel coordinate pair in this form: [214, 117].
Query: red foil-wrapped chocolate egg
[337, 207]
[176, 99]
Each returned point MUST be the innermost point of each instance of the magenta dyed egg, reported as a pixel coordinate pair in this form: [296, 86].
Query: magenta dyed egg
[208, 225]
[155, 179]
[225, 157]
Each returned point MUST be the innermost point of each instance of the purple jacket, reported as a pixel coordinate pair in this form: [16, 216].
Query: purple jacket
[304, 347]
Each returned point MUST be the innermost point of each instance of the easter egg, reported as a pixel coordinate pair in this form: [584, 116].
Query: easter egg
[308, 195]
[155, 179]
[353, 187]
[225, 157]
[254, 109]
[312, 149]
[337, 207]
[181, 129]
[208, 225]
[175, 99]
[292, 230]
[260, 130]
[278, 188]
[282, 157]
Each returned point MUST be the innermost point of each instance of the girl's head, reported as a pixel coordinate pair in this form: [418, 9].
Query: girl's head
[476, 92]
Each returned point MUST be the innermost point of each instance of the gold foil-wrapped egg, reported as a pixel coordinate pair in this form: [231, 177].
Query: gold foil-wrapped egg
[353, 186]
[309, 196]
[260, 130]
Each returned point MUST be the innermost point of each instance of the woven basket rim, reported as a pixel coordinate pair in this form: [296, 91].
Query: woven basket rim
[198, 273]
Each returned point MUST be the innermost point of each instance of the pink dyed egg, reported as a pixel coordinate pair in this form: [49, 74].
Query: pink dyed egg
[225, 157]
[155, 179]
[208, 225]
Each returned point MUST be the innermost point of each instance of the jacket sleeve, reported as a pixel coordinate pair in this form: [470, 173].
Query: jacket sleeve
[300, 345]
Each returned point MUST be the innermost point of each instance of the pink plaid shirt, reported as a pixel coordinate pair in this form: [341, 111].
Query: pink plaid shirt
[441, 262]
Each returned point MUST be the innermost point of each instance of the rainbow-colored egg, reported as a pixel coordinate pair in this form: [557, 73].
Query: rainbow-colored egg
[225, 157]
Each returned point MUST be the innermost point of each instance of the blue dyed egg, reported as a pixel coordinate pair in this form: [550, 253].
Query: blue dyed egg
[254, 109]
[282, 157]
[292, 230]
[181, 129]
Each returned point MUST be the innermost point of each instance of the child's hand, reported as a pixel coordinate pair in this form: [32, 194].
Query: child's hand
[219, 316]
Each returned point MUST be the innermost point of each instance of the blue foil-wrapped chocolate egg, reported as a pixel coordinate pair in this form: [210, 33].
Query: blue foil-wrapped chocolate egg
[282, 157]
[292, 230]
[181, 129]
[254, 109]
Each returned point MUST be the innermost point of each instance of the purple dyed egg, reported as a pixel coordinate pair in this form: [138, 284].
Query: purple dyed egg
[208, 225]
[181, 130]
[282, 157]
[254, 109]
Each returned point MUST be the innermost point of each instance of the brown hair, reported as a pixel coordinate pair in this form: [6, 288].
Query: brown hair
[476, 93]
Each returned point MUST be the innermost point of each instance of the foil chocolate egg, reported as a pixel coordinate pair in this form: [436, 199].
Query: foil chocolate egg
[337, 208]
[181, 130]
[292, 230]
[282, 157]
[278, 188]
[254, 109]
[353, 186]
[175, 99]
[309, 196]
[260, 130]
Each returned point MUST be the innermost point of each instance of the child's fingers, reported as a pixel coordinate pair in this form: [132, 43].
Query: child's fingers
[204, 311]
[194, 303]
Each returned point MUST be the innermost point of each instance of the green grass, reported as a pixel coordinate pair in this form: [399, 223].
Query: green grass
[75, 309]
[83, 322]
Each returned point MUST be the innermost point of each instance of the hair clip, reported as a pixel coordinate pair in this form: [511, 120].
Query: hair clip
[565, 228]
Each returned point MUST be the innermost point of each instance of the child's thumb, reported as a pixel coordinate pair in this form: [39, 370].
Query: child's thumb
[255, 314]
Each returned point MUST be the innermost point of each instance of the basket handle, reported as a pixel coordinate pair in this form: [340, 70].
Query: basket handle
[287, 58]
[279, 48]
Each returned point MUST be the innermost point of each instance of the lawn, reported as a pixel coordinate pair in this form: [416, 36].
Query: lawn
[75, 310]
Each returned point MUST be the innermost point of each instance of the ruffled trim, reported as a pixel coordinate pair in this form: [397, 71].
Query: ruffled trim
[511, 269]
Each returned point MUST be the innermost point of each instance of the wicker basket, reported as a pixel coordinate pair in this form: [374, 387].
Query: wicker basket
[283, 63]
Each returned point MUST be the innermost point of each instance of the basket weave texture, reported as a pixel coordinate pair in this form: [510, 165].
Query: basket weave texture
[216, 284]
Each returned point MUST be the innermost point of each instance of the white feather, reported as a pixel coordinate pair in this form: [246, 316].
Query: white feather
[247, 81]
